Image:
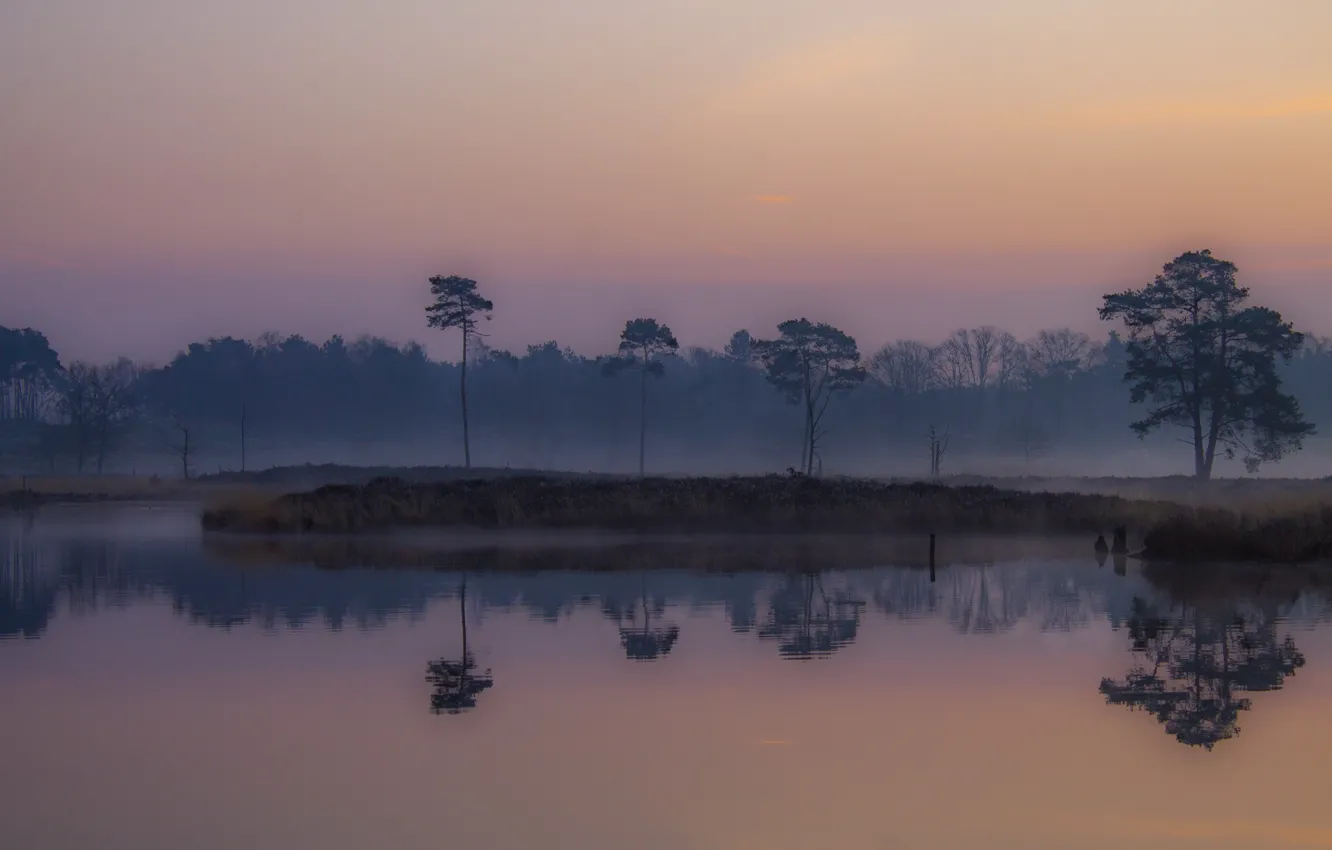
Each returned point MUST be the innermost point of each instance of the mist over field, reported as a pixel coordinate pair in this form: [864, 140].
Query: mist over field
[1052, 406]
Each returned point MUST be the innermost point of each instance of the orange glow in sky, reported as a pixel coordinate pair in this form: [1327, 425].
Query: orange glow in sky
[380, 143]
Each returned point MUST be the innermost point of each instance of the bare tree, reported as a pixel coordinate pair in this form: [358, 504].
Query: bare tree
[1060, 353]
[938, 448]
[181, 444]
[953, 363]
[114, 405]
[1013, 362]
[78, 406]
[905, 366]
[986, 343]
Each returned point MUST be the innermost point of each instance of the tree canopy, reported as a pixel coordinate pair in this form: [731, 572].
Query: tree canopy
[458, 305]
[809, 363]
[1205, 362]
[1008, 405]
[643, 342]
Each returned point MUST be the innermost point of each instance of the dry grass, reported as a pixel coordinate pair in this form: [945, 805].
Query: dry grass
[1294, 535]
[1255, 496]
[44, 489]
[768, 504]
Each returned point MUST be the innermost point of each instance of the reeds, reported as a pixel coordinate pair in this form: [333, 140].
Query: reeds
[760, 504]
[1301, 534]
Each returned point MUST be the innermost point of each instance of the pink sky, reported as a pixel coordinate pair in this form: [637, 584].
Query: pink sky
[172, 171]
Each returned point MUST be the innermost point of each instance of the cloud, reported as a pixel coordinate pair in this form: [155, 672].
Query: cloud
[1202, 111]
[775, 199]
[817, 71]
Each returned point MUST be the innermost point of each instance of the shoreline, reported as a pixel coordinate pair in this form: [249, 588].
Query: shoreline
[757, 505]
[1266, 520]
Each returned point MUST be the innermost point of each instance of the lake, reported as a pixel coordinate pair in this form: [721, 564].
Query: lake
[163, 689]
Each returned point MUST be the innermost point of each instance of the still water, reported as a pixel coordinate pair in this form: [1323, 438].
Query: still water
[161, 689]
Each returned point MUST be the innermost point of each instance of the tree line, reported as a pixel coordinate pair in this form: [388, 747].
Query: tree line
[1186, 354]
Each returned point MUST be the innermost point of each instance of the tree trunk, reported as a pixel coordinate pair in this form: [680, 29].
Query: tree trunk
[185, 456]
[462, 610]
[804, 445]
[242, 469]
[1202, 470]
[813, 438]
[642, 419]
[462, 386]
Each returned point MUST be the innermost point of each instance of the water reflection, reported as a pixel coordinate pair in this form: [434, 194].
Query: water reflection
[1199, 643]
[1193, 667]
[456, 684]
[808, 621]
[646, 642]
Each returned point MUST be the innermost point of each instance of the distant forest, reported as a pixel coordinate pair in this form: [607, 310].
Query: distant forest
[979, 401]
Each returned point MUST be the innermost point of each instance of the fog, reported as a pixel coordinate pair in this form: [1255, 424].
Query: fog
[1054, 405]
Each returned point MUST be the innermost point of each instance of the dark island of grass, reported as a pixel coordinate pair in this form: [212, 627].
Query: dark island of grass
[1294, 535]
[758, 504]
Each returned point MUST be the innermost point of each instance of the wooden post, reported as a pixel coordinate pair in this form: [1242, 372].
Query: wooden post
[931, 558]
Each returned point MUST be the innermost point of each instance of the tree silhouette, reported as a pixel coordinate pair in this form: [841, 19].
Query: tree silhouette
[905, 367]
[642, 344]
[807, 621]
[30, 373]
[809, 364]
[741, 346]
[458, 305]
[1192, 670]
[456, 684]
[550, 408]
[1208, 364]
[100, 404]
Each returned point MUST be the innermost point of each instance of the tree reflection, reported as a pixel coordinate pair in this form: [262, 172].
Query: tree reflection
[456, 684]
[808, 621]
[647, 642]
[1193, 669]
[27, 597]
[983, 599]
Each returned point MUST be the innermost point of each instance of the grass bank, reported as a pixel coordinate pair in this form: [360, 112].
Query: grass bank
[33, 491]
[1300, 533]
[766, 504]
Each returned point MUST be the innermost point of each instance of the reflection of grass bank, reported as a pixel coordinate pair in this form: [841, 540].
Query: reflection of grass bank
[572, 551]
[769, 504]
[1213, 587]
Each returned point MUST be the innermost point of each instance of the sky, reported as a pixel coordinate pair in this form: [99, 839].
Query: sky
[174, 170]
